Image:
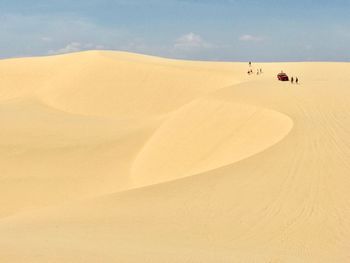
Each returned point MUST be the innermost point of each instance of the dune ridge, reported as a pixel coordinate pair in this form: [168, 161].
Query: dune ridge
[119, 157]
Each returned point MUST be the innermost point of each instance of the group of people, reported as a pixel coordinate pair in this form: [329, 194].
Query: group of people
[258, 71]
[250, 71]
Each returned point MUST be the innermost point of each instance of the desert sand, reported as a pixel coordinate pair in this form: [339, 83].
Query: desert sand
[117, 157]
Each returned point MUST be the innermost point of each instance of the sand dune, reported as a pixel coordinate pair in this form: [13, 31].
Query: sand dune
[117, 157]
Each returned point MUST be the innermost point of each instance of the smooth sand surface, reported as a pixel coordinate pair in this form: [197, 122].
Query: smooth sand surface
[117, 157]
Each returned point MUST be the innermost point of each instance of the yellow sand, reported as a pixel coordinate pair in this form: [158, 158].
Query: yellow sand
[117, 157]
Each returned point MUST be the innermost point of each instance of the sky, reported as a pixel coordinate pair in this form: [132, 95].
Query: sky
[219, 30]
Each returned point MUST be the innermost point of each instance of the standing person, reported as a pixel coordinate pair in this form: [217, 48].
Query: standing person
[250, 63]
[296, 80]
[292, 80]
[260, 70]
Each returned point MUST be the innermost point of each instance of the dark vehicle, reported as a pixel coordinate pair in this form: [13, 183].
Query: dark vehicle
[282, 76]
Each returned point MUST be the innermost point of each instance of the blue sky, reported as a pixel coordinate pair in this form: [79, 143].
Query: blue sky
[225, 30]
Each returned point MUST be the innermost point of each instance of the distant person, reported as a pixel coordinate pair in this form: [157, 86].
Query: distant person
[250, 63]
[296, 80]
[260, 70]
[292, 80]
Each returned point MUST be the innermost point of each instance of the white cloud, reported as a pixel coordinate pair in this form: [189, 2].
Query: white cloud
[75, 47]
[71, 47]
[250, 38]
[191, 41]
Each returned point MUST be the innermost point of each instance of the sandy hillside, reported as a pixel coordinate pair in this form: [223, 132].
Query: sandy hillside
[117, 157]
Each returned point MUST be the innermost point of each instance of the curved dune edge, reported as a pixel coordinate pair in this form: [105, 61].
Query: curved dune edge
[204, 135]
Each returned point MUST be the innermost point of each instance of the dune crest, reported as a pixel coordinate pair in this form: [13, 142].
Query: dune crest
[204, 135]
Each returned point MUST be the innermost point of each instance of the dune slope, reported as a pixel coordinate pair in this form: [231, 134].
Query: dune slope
[117, 157]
